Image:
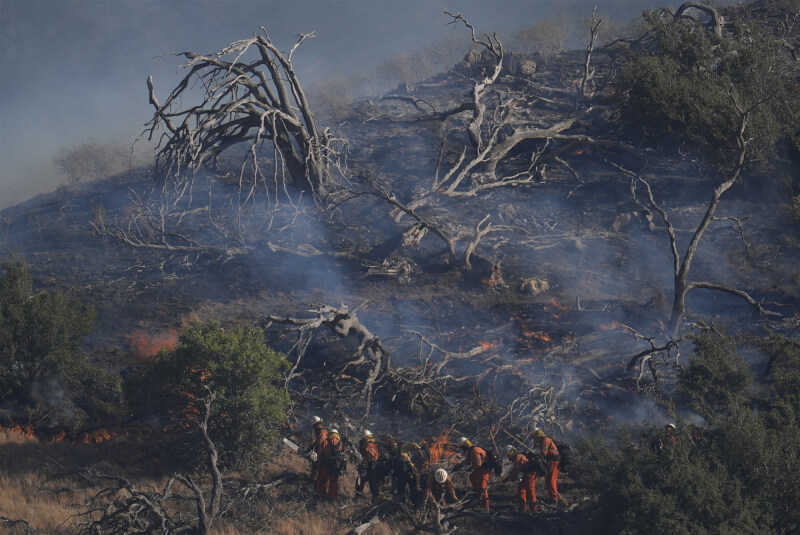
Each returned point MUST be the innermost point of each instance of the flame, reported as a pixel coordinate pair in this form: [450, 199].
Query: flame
[495, 278]
[25, 433]
[441, 451]
[98, 436]
[486, 345]
[611, 326]
[144, 345]
[536, 335]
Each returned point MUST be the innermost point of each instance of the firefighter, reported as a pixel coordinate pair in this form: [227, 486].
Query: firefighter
[550, 454]
[330, 466]
[526, 486]
[405, 477]
[371, 454]
[477, 459]
[663, 439]
[440, 486]
[314, 450]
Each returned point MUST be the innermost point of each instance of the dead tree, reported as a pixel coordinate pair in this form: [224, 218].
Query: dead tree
[343, 322]
[122, 508]
[243, 102]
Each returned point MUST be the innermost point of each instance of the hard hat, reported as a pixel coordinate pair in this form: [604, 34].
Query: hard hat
[334, 432]
[367, 433]
[405, 456]
[464, 442]
[511, 451]
[440, 476]
[315, 420]
[538, 434]
[670, 426]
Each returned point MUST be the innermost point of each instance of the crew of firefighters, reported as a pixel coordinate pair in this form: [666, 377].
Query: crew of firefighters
[418, 479]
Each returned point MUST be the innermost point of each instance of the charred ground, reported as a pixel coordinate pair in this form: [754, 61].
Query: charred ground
[541, 329]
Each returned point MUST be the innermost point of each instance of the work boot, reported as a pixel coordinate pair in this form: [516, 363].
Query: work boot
[535, 507]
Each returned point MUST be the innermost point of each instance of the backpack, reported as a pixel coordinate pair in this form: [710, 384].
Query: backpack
[535, 464]
[337, 462]
[494, 462]
[565, 454]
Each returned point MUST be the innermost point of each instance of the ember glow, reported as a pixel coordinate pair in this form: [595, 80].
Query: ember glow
[144, 345]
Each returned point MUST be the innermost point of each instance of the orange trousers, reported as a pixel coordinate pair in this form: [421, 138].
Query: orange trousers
[552, 475]
[479, 478]
[526, 492]
[326, 483]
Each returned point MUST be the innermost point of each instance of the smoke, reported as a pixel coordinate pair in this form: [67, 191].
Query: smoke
[75, 70]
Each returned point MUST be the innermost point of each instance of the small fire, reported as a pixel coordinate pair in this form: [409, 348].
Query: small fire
[486, 345]
[144, 345]
[495, 277]
[536, 335]
[555, 308]
[25, 433]
[98, 436]
[441, 451]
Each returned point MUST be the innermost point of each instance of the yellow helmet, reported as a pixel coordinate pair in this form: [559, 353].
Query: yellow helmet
[464, 442]
[511, 451]
[334, 433]
[538, 435]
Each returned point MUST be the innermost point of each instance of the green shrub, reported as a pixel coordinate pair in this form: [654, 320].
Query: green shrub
[237, 367]
[42, 369]
[683, 81]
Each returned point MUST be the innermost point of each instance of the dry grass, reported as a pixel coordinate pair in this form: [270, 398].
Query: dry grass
[32, 490]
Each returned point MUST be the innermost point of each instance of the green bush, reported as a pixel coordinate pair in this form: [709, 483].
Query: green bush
[681, 82]
[233, 364]
[737, 474]
[42, 368]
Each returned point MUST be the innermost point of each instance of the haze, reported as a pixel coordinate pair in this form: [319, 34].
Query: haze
[75, 70]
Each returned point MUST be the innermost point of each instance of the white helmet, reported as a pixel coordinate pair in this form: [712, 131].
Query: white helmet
[670, 426]
[461, 441]
[510, 449]
[315, 420]
[334, 431]
[367, 433]
[440, 476]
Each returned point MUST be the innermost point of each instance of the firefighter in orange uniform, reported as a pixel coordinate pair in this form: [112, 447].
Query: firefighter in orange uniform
[439, 486]
[526, 487]
[550, 454]
[314, 450]
[327, 482]
[371, 454]
[479, 477]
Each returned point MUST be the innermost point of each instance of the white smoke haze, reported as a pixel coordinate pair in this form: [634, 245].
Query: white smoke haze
[74, 70]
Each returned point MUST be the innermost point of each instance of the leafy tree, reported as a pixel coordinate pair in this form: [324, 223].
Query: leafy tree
[738, 474]
[687, 82]
[233, 364]
[41, 365]
[717, 380]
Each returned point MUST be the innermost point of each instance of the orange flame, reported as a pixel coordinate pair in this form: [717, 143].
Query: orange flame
[144, 345]
[96, 437]
[23, 432]
[441, 451]
[486, 345]
[536, 335]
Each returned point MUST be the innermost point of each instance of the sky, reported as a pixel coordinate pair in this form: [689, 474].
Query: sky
[73, 71]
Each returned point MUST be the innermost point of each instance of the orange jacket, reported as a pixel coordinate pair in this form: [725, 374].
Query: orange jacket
[520, 461]
[439, 489]
[329, 446]
[370, 451]
[548, 448]
[476, 457]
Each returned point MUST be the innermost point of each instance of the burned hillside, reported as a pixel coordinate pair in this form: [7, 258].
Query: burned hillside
[495, 248]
